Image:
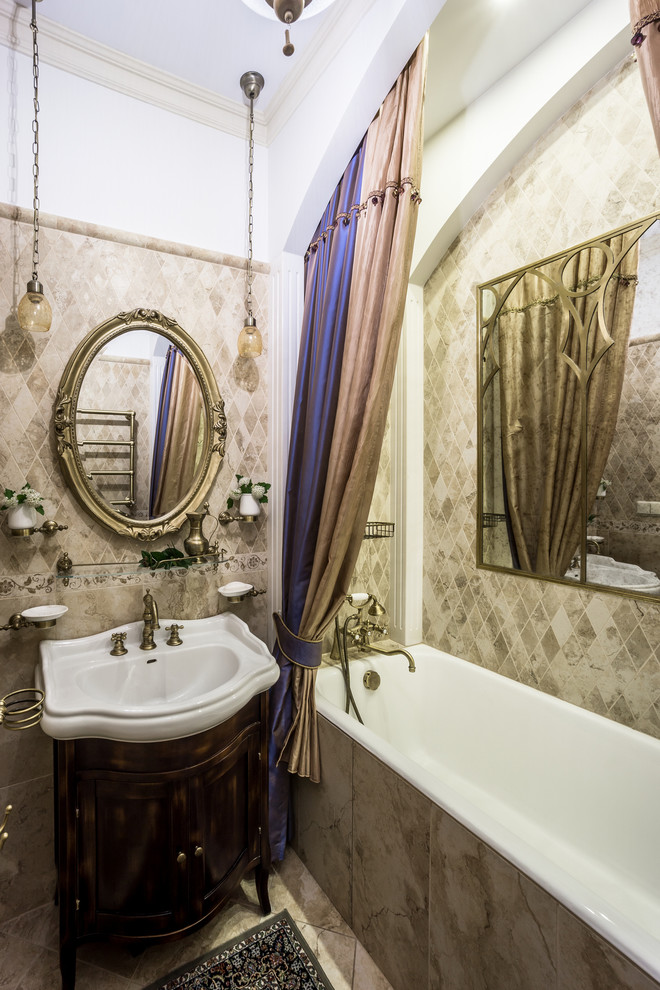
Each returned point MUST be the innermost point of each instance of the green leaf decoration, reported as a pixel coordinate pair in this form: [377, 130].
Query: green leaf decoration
[164, 559]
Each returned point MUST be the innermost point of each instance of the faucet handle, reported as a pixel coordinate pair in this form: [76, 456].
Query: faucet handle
[173, 630]
[118, 649]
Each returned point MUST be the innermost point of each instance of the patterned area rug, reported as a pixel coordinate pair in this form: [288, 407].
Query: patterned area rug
[274, 956]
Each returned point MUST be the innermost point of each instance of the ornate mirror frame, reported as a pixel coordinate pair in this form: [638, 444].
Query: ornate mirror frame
[492, 297]
[68, 450]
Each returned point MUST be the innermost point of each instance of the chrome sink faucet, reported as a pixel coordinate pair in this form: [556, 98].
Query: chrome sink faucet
[150, 619]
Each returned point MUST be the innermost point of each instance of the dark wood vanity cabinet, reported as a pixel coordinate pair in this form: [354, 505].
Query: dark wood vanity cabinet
[153, 838]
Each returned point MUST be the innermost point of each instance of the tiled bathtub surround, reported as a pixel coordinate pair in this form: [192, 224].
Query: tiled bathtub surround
[597, 168]
[90, 275]
[435, 907]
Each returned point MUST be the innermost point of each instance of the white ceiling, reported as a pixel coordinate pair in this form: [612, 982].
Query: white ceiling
[473, 43]
[212, 42]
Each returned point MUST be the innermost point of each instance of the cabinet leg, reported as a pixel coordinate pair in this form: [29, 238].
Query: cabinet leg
[68, 965]
[261, 877]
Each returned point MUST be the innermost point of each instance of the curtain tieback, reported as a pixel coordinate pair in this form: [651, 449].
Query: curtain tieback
[302, 652]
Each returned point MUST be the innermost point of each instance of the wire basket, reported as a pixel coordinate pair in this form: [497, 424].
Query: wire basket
[22, 709]
[378, 530]
[490, 519]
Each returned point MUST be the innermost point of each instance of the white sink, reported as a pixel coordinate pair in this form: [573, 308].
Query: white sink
[152, 695]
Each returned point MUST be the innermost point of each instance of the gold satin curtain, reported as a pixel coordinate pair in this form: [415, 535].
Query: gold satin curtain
[183, 433]
[377, 298]
[555, 368]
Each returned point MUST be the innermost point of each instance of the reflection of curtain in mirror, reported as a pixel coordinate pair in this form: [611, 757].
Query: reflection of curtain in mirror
[541, 400]
[176, 442]
[644, 21]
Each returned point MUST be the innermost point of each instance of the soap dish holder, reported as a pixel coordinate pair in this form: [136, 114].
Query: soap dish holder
[237, 591]
[41, 616]
[44, 616]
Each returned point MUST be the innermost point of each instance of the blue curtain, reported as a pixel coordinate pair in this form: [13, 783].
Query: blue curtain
[161, 426]
[327, 286]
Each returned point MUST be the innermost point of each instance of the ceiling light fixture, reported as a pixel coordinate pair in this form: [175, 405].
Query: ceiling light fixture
[249, 339]
[34, 312]
[288, 11]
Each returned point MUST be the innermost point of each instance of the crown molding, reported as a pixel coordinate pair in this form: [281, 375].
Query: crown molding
[81, 56]
[88, 59]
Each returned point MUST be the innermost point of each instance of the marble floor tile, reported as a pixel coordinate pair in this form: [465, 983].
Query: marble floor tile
[335, 954]
[44, 974]
[293, 887]
[15, 955]
[30, 956]
[39, 927]
[366, 975]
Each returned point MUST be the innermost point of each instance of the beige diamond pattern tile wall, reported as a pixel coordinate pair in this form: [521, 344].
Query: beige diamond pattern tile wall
[595, 169]
[91, 275]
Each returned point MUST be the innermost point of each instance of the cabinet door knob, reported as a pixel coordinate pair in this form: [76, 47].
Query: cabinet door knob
[181, 858]
[198, 851]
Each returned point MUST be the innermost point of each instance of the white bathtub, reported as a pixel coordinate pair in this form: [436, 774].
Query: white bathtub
[571, 798]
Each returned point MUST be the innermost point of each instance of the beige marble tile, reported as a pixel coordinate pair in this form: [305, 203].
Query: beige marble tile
[323, 818]
[39, 926]
[43, 973]
[391, 822]
[24, 755]
[159, 960]
[17, 956]
[491, 927]
[293, 887]
[335, 954]
[366, 975]
[588, 962]
[27, 871]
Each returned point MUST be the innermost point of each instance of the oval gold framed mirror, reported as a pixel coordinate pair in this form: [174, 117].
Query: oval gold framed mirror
[140, 424]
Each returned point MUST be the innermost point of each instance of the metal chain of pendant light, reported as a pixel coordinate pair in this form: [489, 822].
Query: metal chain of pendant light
[249, 339]
[34, 312]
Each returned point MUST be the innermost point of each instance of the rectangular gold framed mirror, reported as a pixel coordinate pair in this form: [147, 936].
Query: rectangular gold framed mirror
[568, 355]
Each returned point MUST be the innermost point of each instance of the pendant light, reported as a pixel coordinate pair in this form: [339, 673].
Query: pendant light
[249, 339]
[288, 11]
[34, 312]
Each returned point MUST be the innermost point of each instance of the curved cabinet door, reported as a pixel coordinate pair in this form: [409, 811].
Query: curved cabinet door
[129, 835]
[225, 819]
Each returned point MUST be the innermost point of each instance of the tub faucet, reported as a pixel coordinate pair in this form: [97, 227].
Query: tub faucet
[375, 623]
[150, 619]
[389, 653]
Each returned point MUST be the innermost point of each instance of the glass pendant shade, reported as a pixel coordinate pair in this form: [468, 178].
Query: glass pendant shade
[34, 312]
[249, 339]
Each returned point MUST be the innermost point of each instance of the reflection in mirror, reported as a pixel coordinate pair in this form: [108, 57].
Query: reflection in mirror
[140, 425]
[569, 445]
